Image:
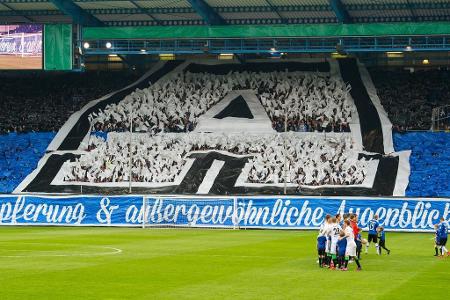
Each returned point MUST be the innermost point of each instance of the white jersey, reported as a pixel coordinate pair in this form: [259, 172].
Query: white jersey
[335, 229]
[350, 250]
[326, 229]
[349, 233]
[322, 231]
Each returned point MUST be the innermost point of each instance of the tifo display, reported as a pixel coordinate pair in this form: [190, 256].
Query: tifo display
[219, 128]
[180, 130]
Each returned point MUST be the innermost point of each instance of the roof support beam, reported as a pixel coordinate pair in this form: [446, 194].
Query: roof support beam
[275, 10]
[411, 10]
[339, 10]
[208, 14]
[144, 11]
[12, 9]
[78, 15]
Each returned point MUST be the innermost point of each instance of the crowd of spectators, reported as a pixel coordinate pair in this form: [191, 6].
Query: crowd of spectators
[409, 97]
[44, 101]
[22, 28]
[309, 102]
[160, 158]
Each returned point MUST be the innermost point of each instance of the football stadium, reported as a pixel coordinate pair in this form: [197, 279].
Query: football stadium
[224, 149]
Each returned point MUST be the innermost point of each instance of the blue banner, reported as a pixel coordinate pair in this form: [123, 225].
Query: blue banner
[419, 214]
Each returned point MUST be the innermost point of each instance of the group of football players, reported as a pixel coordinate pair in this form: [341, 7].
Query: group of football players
[340, 242]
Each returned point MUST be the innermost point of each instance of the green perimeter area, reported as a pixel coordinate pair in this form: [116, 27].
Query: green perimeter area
[266, 31]
[79, 263]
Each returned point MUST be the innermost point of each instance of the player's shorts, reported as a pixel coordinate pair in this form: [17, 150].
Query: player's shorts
[442, 242]
[328, 245]
[333, 246]
[321, 243]
[372, 237]
[351, 248]
[321, 252]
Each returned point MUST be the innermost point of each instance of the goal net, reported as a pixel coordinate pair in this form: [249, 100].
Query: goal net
[189, 212]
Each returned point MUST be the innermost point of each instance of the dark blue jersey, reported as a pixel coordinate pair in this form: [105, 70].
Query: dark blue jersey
[381, 236]
[373, 225]
[342, 245]
[321, 242]
[442, 231]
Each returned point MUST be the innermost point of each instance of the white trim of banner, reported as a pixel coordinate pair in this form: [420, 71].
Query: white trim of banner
[386, 124]
[355, 126]
[202, 198]
[403, 173]
[196, 226]
[285, 197]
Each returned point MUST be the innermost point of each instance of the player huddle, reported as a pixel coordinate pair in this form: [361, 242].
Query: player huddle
[339, 241]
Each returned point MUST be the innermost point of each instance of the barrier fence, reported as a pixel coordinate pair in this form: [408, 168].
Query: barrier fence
[396, 214]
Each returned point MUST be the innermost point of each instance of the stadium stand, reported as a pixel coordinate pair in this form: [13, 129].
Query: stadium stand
[311, 102]
[165, 110]
[409, 97]
[42, 102]
[430, 162]
[209, 99]
[19, 155]
[160, 158]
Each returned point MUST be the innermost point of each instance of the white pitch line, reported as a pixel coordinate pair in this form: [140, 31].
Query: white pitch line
[241, 256]
[114, 252]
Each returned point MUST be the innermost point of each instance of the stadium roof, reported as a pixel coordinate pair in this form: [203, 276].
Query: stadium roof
[221, 12]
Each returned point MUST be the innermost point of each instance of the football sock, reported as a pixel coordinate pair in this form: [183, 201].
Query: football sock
[357, 262]
[436, 250]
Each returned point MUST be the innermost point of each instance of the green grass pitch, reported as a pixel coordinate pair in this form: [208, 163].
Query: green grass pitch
[127, 263]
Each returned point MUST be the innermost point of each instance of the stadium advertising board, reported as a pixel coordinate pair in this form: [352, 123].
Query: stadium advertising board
[250, 212]
[21, 46]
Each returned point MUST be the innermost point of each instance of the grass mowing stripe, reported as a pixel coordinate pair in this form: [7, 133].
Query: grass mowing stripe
[211, 264]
